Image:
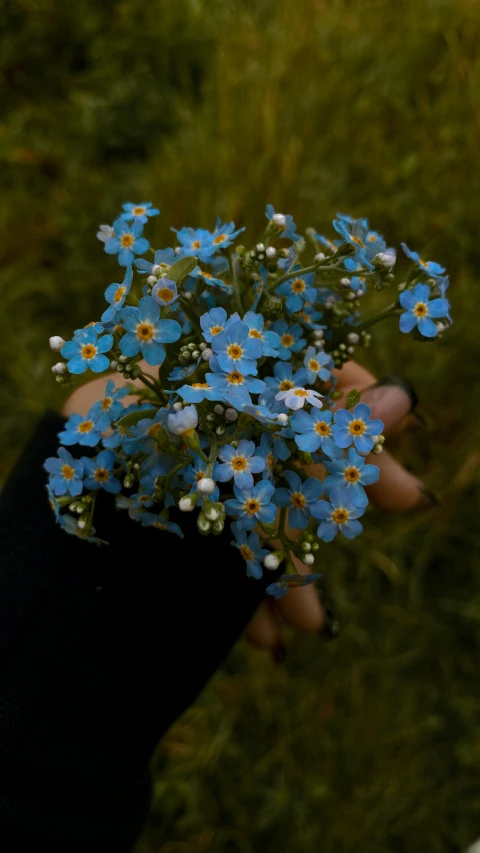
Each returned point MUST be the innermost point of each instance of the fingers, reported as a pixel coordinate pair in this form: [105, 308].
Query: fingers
[391, 399]
[262, 631]
[397, 489]
[301, 608]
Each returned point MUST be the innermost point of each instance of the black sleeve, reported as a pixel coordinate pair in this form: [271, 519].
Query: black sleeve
[101, 648]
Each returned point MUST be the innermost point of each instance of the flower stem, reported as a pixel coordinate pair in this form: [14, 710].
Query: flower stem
[390, 311]
[236, 289]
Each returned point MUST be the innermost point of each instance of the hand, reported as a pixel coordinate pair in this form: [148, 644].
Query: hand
[393, 402]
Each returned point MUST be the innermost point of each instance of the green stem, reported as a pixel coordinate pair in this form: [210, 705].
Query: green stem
[185, 303]
[390, 311]
[236, 290]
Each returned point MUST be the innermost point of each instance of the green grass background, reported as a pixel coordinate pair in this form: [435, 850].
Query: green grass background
[206, 107]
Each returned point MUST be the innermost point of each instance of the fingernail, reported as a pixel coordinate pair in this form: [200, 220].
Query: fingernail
[279, 653]
[331, 628]
[428, 499]
[394, 380]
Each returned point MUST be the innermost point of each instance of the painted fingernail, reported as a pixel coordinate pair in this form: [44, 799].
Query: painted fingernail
[396, 381]
[331, 627]
[279, 653]
[428, 499]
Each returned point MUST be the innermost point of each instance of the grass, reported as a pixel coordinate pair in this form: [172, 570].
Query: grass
[371, 743]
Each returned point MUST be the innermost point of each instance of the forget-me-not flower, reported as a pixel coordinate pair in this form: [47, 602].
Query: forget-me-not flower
[146, 332]
[300, 498]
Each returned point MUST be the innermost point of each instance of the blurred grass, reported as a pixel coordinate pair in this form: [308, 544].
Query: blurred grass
[371, 743]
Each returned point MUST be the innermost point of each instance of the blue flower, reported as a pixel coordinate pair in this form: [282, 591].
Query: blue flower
[80, 430]
[127, 242]
[198, 391]
[260, 413]
[419, 311]
[195, 242]
[215, 322]
[164, 292]
[163, 259]
[66, 473]
[298, 290]
[270, 340]
[148, 519]
[295, 398]
[279, 588]
[235, 387]
[289, 230]
[319, 364]
[196, 472]
[290, 339]
[332, 245]
[429, 267]
[283, 379]
[236, 350]
[356, 428]
[116, 295]
[138, 212]
[146, 332]
[120, 435]
[337, 515]
[353, 474]
[224, 234]
[249, 547]
[240, 463]
[183, 421]
[109, 409]
[299, 498]
[99, 472]
[179, 373]
[210, 279]
[315, 431]
[252, 505]
[87, 351]
[365, 242]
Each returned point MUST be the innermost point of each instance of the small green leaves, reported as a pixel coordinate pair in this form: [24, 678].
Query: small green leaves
[134, 417]
[182, 268]
[353, 397]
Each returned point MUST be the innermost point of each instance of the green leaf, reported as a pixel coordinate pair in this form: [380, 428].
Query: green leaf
[179, 271]
[134, 417]
[353, 397]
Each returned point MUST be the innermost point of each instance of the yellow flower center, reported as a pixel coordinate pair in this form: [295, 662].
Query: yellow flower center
[106, 403]
[158, 525]
[138, 211]
[287, 340]
[340, 515]
[357, 241]
[314, 365]
[270, 460]
[301, 392]
[85, 426]
[220, 239]
[199, 476]
[145, 331]
[127, 240]
[88, 351]
[298, 500]
[285, 385]
[101, 475]
[420, 310]
[254, 333]
[234, 351]
[67, 472]
[322, 428]
[206, 274]
[371, 238]
[356, 427]
[252, 506]
[351, 474]
[246, 552]
[215, 330]
[196, 244]
[203, 385]
[119, 293]
[154, 430]
[239, 463]
[235, 378]
[165, 294]
[298, 286]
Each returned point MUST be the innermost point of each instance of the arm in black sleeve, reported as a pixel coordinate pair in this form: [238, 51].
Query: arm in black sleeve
[101, 649]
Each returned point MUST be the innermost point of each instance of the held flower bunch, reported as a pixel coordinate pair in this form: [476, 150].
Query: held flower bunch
[237, 396]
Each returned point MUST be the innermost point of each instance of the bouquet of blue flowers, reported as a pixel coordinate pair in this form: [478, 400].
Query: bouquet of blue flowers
[234, 350]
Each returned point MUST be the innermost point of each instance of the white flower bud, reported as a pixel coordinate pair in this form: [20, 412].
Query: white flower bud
[260, 247]
[207, 354]
[206, 486]
[440, 327]
[113, 364]
[82, 523]
[350, 350]
[178, 250]
[156, 268]
[271, 562]
[318, 333]
[188, 295]
[353, 338]
[187, 503]
[203, 524]
[151, 280]
[387, 259]
[178, 406]
[231, 415]
[271, 252]
[330, 302]
[279, 220]
[56, 343]
[60, 368]
[351, 296]
[220, 429]
[359, 293]
[218, 409]
[211, 512]
[282, 419]
[105, 232]
[308, 559]
[345, 282]
[202, 346]
[122, 359]
[320, 257]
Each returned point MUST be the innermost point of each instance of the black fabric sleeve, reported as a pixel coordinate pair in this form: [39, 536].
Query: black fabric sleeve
[101, 649]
